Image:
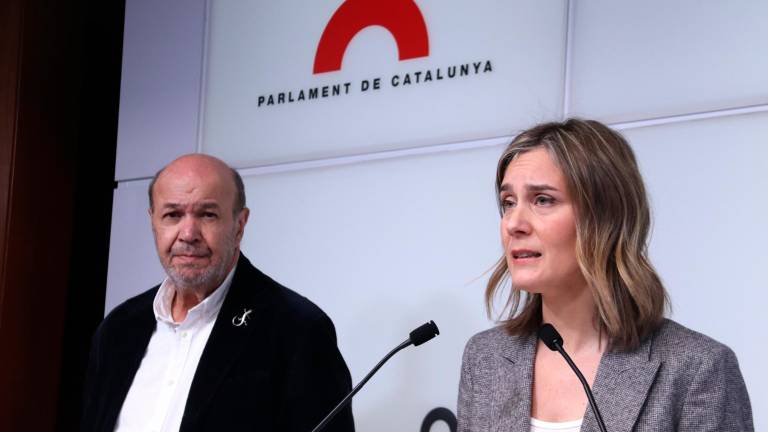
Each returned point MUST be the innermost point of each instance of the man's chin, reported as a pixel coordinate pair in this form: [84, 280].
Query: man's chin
[192, 278]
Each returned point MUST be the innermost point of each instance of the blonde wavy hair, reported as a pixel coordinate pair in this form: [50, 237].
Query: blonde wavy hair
[612, 226]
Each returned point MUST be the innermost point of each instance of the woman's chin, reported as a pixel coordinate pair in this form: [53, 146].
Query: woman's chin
[526, 285]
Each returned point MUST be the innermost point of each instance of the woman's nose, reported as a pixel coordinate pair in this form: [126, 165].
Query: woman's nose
[516, 221]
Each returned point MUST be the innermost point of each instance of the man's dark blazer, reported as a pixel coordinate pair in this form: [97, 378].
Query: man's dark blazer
[280, 372]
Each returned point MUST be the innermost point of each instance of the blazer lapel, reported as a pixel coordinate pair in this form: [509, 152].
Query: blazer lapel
[227, 337]
[621, 387]
[511, 401]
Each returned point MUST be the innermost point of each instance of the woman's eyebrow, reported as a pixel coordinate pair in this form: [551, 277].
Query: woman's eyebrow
[540, 187]
[506, 187]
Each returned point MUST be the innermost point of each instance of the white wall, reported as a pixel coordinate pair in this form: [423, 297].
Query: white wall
[385, 240]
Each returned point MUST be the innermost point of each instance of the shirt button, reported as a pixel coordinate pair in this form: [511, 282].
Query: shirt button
[183, 334]
[170, 382]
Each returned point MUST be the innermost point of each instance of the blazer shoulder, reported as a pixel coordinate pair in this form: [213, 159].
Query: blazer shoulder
[701, 378]
[298, 307]
[292, 313]
[124, 314]
[675, 341]
[291, 306]
[495, 340]
[487, 339]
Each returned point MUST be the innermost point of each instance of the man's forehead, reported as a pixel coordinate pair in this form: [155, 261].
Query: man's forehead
[192, 187]
[195, 173]
[196, 165]
[203, 204]
[190, 182]
[202, 169]
[195, 178]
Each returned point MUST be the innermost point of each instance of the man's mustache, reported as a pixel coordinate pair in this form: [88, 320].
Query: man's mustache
[190, 251]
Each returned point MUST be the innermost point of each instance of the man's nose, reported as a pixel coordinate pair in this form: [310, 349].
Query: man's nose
[189, 230]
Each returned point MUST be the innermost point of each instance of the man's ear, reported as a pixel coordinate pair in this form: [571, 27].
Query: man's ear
[242, 219]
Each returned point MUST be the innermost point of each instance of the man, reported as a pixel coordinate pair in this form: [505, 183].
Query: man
[218, 346]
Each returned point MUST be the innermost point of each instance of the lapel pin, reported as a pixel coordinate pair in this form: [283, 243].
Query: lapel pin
[241, 320]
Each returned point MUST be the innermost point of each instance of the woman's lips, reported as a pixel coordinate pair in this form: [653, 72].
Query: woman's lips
[524, 255]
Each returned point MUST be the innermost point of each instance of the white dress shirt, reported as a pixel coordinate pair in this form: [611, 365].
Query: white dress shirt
[158, 394]
[542, 426]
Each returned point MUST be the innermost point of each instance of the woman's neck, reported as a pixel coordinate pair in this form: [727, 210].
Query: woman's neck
[572, 313]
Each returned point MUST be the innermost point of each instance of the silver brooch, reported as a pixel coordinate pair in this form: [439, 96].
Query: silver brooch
[241, 320]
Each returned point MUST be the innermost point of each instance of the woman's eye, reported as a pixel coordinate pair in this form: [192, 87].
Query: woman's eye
[544, 200]
[506, 204]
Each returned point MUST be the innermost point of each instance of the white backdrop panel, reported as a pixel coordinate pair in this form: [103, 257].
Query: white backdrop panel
[160, 88]
[637, 60]
[707, 181]
[133, 263]
[260, 48]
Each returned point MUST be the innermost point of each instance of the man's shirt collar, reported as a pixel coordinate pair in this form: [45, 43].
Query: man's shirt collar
[206, 310]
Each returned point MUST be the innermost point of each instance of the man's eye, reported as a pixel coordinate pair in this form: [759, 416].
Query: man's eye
[544, 200]
[171, 215]
[209, 215]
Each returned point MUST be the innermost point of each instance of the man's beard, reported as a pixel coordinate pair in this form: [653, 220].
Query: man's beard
[209, 277]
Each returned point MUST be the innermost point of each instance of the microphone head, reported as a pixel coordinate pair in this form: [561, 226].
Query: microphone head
[424, 333]
[550, 337]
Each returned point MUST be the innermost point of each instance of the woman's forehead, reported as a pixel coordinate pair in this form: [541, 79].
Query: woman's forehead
[533, 163]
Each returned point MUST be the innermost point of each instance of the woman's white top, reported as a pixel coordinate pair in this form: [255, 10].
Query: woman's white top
[542, 426]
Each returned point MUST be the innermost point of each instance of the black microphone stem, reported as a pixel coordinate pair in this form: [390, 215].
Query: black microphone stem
[592, 402]
[360, 385]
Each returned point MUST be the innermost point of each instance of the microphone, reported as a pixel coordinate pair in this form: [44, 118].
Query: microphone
[420, 335]
[554, 341]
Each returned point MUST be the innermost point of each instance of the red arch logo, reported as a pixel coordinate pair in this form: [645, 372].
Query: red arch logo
[402, 18]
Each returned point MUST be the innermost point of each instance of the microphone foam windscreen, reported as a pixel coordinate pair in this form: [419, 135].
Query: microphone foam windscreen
[424, 333]
[550, 336]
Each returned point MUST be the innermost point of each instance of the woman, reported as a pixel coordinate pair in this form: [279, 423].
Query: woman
[574, 226]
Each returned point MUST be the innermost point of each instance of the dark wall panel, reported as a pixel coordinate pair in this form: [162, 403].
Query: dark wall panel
[59, 87]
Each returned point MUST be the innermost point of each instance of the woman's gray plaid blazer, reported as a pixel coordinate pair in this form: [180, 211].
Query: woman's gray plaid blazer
[677, 380]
